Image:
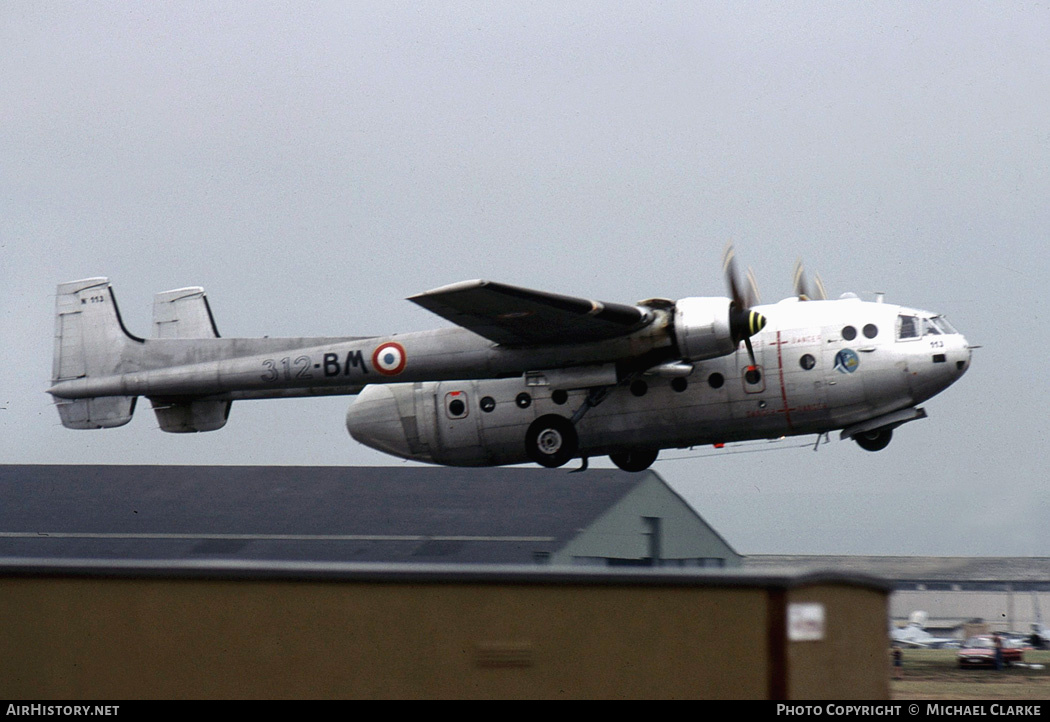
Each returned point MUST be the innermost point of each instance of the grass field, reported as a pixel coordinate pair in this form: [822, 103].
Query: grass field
[935, 674]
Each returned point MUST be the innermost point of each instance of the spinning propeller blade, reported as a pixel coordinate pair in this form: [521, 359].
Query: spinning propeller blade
[802, 288]
[743, 322]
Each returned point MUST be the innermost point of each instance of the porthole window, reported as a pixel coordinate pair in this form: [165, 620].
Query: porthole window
[849, 333]
[523, 400]
[639, 387]
[716, 380]
[871, 330]
[752, 376]
[488, 404]
[807, 361]
[560, 396]
[456, 404]
[679, 384]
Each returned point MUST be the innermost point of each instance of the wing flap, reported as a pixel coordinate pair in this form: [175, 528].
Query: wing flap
[514, 316]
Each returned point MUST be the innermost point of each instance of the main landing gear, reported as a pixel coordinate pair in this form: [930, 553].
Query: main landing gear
[635, 459]
[551, 440]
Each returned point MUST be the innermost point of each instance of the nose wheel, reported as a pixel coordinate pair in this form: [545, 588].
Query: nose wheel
[551, 441]
[876, 440]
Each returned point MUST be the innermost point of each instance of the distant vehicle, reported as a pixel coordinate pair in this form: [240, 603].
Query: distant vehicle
[980, 652]
[915, 635]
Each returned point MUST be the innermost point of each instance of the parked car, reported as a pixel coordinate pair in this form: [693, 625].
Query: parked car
[980, 652]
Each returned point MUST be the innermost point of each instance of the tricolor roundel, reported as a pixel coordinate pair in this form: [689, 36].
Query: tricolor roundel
[389, 359]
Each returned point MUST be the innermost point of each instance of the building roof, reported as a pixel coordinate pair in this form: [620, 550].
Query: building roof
[425, 573]
[384, 513]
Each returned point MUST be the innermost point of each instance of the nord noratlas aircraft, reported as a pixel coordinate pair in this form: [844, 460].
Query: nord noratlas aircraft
[528, 375]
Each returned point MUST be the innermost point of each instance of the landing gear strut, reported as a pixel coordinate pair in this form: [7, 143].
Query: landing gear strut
[552, 440]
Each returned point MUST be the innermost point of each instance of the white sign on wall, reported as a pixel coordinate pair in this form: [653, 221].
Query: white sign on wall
[805, 622]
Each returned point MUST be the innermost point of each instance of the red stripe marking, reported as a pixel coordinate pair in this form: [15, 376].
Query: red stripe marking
[783, 387]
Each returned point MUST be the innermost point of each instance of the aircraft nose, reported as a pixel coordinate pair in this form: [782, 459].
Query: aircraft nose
[935, 369]
[375, 420]
[959, 353]
[963, 357]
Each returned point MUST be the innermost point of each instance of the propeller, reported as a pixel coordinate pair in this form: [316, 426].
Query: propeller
[743, 322]
[802, 288]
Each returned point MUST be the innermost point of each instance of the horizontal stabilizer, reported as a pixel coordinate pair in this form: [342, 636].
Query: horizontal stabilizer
[103, 412]
[185, 417]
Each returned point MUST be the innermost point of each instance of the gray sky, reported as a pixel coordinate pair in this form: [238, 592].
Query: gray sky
[311, 165]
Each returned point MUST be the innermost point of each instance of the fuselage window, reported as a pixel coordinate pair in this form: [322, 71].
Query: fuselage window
[639, 387]
[907, 327]
[871, 330]
[488, 404]
[559, 396]
[456, 404]
[849, 333]
[523, 400]
[807, 361]
[716, 380]
[679, 384]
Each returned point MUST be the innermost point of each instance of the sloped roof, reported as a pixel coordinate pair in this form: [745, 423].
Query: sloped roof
[337, 513]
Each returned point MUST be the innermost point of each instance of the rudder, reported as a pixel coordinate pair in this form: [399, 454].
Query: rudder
[184, 313]
[90, 340]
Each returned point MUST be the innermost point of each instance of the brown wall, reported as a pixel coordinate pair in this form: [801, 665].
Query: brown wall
[85, 637]
[853, 660]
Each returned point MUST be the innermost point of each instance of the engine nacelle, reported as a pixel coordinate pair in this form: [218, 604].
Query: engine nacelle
[702, 328]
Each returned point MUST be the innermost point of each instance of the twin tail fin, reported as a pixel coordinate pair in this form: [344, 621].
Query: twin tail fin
[92, 341]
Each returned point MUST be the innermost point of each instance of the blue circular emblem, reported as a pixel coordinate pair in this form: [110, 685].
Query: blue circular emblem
[846, 361]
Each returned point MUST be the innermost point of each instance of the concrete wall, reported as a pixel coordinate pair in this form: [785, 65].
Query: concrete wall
[289, 631]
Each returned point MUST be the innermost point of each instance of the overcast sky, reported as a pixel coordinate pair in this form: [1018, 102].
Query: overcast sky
[313, 164]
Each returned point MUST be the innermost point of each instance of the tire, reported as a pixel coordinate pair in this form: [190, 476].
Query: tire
[551, 441]
[876, 440]
[635, 459]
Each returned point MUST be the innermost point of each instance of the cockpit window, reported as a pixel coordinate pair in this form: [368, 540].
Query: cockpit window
[908, 327]
[929, 328]
[942, 323]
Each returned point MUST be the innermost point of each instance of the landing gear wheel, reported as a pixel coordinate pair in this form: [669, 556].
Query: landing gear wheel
[635, 459]
[876, 440]
[551, 441]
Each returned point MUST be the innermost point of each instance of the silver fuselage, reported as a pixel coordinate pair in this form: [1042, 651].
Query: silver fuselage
[823, 366]
[259, 368]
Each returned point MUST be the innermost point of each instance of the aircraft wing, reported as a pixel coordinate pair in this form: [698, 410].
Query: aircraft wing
[515, 316]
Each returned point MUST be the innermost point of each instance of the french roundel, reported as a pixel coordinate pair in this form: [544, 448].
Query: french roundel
[389, 359]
